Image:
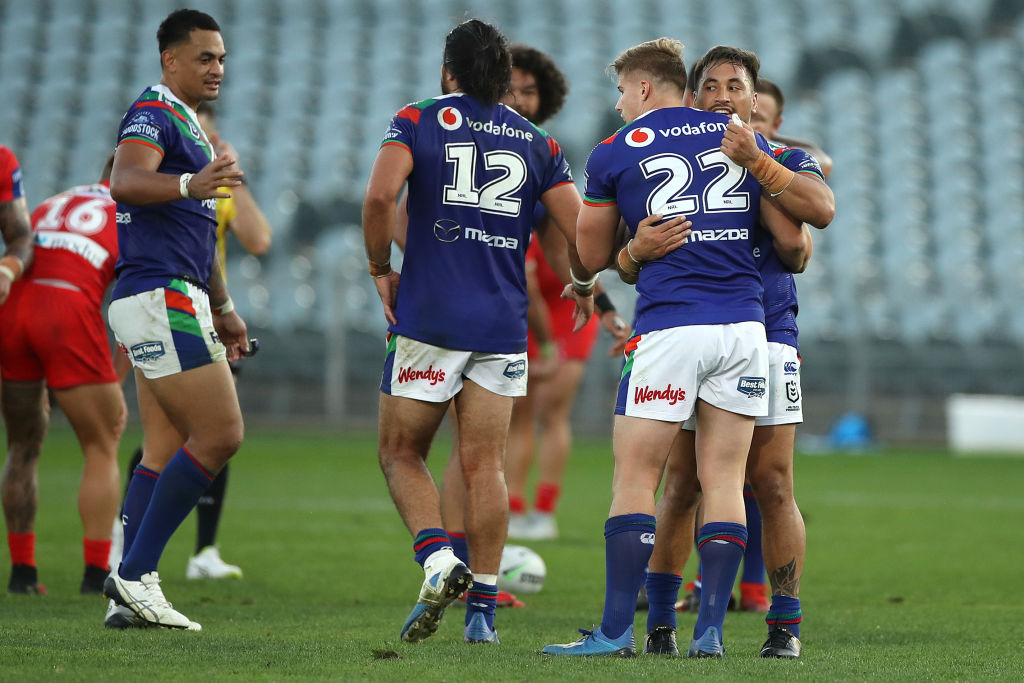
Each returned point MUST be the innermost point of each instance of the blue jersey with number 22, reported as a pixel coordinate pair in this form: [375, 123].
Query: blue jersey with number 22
[669, 162]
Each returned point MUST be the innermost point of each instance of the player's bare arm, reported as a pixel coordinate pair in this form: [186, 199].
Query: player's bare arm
[791, 238]
[393, 165]
[17, 234]
[563, 205]
[656, 237]
[250, 226]
[401, 219]
[229, 325]
[805, 196]
[136, 181]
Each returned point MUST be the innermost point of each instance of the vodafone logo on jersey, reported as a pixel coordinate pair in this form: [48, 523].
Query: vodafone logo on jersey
[640, 137]
[450, 118]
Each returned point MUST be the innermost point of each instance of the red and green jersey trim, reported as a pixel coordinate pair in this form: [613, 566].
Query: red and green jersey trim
[396, 142]
[143, 141]
[150, 99]
[413, 111]
[598, 201]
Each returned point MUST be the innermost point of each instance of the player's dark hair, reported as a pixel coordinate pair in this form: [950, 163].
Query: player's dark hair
[551, 83]
[661, 59]
[476, 55]
[180, 23]
[725, 54]
[766, 87]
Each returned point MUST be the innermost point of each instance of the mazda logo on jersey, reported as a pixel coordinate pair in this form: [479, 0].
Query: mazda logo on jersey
[450, 118]
[640, 137]
[446, 230]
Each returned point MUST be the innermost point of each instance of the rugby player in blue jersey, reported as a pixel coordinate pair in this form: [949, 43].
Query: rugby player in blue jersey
[699, 333]
[457, 333]
[723, 80]
[170, 309]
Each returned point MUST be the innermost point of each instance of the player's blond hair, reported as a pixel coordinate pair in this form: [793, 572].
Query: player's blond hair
[661, 59]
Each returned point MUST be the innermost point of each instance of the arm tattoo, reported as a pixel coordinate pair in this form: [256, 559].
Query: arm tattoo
[785, 580]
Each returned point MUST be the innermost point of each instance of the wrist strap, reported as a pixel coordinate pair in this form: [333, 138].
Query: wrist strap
[583, 287]
[603, 303]
[380, 269]
[772, 175]
[225, 307]
[628, 265]
[11, 266]
[639, 264]
[183, 181]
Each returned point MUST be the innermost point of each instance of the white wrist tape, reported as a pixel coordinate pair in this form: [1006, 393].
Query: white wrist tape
[225, 307]
[582, 286]
[183, 181]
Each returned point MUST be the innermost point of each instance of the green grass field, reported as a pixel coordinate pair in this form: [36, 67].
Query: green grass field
[914, 572]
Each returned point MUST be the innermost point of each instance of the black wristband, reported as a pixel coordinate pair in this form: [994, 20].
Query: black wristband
[603, 303]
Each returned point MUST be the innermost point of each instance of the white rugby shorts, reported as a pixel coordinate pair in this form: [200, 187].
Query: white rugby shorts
[784, 397]
[166, 330]
[414, 369]
[666, 371]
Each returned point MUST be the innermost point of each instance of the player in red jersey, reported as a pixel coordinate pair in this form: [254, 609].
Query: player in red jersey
[54, 336]
[17, 234]
[14, 223]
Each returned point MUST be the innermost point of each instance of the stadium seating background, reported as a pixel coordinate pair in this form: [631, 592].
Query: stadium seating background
[914, 291]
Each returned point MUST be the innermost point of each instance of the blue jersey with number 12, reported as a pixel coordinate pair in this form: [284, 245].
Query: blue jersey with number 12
[669, 162]
[478, 172]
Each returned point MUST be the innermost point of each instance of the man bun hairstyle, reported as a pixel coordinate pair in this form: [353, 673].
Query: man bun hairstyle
[476, 55]
[551, 84]
[725, 54]
[661, 59]
[180, 23]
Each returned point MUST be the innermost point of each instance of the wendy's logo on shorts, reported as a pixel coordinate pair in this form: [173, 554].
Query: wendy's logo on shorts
[753, 387]
[515, 369]
[147, 351]
[430, 374]
[645, 394]
[447, 230]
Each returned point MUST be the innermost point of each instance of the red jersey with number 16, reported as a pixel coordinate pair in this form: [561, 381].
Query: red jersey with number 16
[76, 240]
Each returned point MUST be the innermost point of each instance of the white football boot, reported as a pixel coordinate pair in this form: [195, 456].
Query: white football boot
[146, 600]
[207, 565]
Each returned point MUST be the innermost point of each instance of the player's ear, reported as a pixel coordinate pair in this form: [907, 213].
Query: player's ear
[167, 59]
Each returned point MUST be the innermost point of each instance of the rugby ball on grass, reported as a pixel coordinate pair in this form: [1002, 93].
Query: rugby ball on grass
[521, 571]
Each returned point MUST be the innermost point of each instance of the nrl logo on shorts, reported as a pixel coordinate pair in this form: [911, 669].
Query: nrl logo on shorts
[147, 351]
[792, 392]
[753, 387]
[515, 370]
